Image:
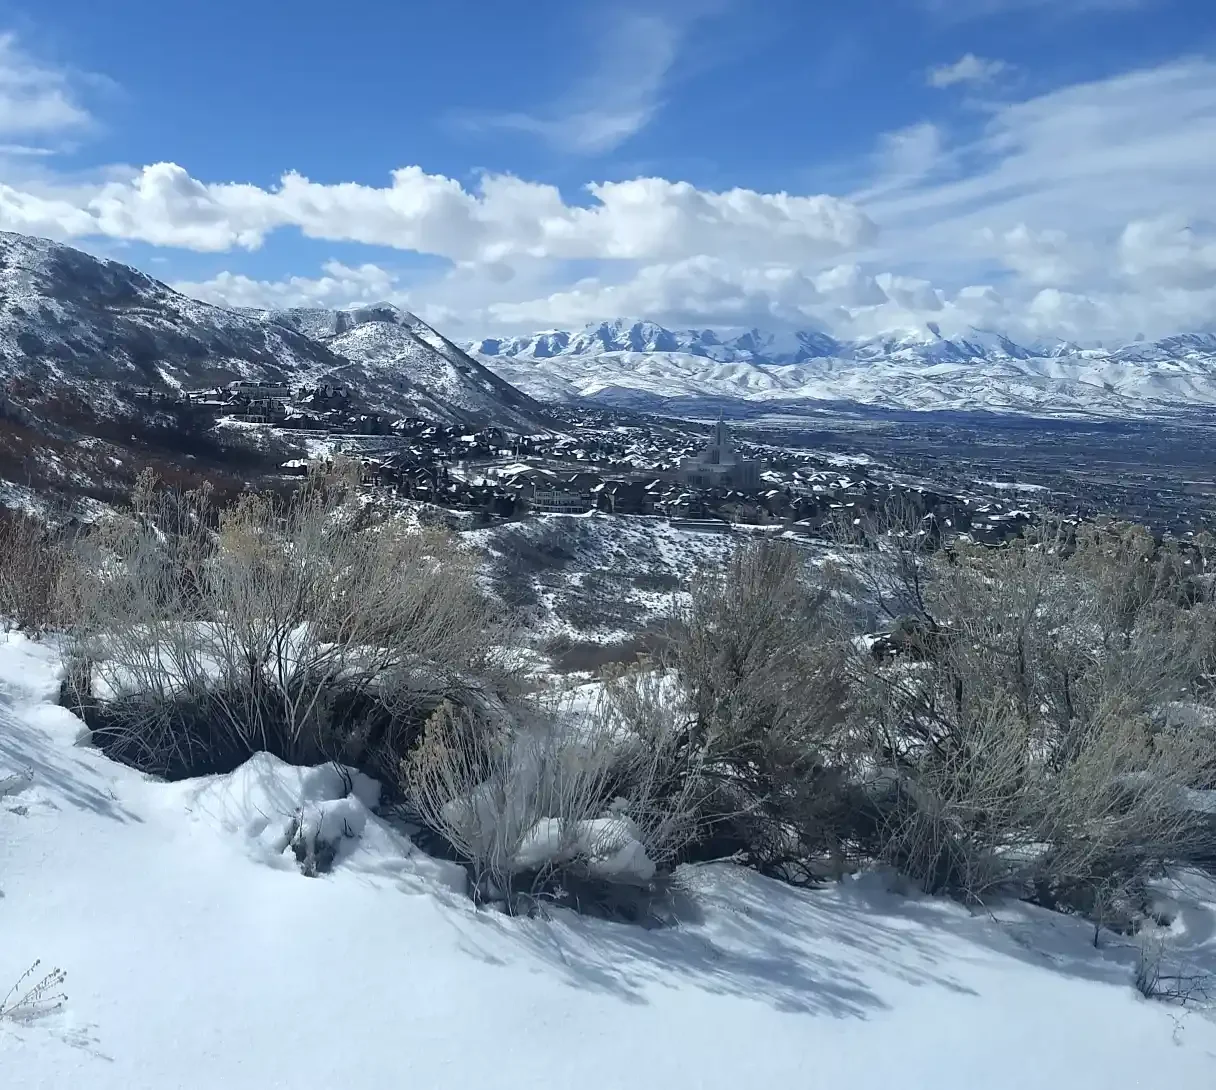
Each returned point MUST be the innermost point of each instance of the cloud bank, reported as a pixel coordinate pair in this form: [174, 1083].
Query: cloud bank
[1086, 212]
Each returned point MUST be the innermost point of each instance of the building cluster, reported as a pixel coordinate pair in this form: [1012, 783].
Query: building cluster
[635, 469]
[325, 407]
[629, 471]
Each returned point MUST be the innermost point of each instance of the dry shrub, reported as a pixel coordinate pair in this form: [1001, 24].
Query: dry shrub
[1012, 728]
[542, 809]
[305, 625]
[35, 994]
[1017, 732]
[759, 703]
[30, 560]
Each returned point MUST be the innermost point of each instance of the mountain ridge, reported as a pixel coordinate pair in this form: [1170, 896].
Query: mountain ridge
[72, 320]
[620, 363]
[767, 347]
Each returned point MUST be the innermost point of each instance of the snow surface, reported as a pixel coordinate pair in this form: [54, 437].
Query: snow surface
[198, 956]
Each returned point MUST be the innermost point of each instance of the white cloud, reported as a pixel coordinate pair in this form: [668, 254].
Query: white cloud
[967, 69]
[1167, 252]
[341, 286]
[620, 95]
[847, 302]
[1067, 191]
[908, 154]
[1039, 257]
[34, 99]
[696, 290]
[1085, 212]
[504, 217]
[1088, 154]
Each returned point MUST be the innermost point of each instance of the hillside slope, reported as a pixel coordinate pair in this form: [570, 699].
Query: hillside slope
[81, 339]
[388, 350]
[217, 963]
[66, 316]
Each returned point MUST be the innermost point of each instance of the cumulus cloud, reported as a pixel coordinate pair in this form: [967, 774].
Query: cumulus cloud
[504, 217]
[1042, 217]
[341, 286]
[705, 290]
[696, 290]
[34, 99]
[1167, 252]
[1038, 257]
[967, 69]
[1046, 221]
[847, 301]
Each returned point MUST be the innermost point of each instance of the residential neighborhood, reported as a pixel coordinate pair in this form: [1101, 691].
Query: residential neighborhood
[648, 467]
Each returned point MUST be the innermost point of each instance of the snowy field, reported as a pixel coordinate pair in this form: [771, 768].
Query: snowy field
[599, 577]
[199, 956]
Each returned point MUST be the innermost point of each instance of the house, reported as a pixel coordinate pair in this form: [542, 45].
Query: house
[628, 497]
[261, 391]
[558, 500]
[677, 504]
[261, 411]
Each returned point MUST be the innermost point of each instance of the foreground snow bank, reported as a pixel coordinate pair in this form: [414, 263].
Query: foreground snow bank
[198, 956]
[320, 816]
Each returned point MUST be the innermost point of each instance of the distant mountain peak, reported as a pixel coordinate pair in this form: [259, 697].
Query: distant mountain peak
[642, 335]
[640, 364]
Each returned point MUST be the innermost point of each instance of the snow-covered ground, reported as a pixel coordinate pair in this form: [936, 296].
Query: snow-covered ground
[199, 956]
[597, 577]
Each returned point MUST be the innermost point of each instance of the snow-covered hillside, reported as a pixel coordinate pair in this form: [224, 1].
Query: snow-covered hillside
[69, 319]
[595, 577]
[198, 956]
[66, 316]
[647, 367]
[389, 350]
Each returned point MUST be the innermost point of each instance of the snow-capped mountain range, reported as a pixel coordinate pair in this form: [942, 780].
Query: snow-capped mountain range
[70, 322]
[644, 365]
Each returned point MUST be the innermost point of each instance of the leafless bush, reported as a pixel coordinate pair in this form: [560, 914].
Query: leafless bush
[302, 625]
[33, 995]
[30, 559]
[1016, 730]
[1157, 979]
[540, 807]
[762, 696]
[1011, 727]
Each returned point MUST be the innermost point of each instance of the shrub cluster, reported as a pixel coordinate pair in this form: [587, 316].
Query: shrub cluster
[306, 626]
[1038, 718]
[30, 561]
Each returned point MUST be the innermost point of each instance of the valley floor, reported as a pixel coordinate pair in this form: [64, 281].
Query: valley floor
[198, 956]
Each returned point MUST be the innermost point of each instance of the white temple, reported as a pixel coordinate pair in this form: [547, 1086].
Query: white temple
[719, 464]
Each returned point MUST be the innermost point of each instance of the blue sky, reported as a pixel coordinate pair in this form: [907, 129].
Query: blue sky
[1044, 166]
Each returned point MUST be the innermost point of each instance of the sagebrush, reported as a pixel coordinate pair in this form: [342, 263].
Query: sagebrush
[308, 625]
